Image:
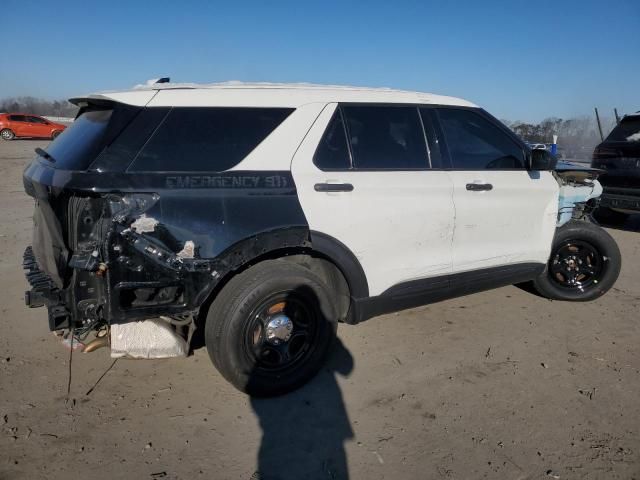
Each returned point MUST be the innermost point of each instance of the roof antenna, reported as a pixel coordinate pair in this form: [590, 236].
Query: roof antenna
[155, 81]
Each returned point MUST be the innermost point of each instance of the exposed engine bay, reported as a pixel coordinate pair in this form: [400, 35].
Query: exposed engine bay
[579, 191]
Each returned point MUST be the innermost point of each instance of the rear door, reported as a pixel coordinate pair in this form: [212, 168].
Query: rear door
[364, 177]
[505, 214]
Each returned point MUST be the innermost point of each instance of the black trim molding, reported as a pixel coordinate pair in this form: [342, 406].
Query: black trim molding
[430, 290]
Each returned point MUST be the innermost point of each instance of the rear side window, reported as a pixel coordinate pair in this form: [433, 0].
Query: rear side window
[385, 138]
[17, 118]
[628, 130]
[94, 129]
[477, 144]
[207, 139]
[333, 151]
[79, 144]
[36, 120]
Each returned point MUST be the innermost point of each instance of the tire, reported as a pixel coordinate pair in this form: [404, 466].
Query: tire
[55, 134]
[584, 264]
[7, 134]
[263, 361]
[607, 215]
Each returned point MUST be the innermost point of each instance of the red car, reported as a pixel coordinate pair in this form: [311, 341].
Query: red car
[14, 125]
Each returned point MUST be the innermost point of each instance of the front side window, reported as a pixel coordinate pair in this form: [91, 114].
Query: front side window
[17, 118]
[385, 137]
[477, 144]
[204, 139]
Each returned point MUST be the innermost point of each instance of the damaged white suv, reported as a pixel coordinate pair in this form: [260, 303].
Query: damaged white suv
[266, 214]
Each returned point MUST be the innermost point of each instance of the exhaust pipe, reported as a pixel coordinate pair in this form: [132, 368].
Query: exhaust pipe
[95, 344]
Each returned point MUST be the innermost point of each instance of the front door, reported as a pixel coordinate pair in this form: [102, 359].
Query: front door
[505, 214]
[363, 177]
[38, 127]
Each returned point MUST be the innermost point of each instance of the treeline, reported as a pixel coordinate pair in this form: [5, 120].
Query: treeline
[38, 106]
[577, 137]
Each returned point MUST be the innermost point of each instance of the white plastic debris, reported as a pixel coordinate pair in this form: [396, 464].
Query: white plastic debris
[144, 224]
[188, 251]
[153, 338]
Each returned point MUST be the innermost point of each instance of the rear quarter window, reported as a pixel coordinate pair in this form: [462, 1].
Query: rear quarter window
[94, 129]
[207, 139]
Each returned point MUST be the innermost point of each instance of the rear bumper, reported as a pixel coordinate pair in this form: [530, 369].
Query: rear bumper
[44, 292]
[621, 198]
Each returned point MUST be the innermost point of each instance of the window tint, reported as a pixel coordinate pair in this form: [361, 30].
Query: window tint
[207, 139]
[93, 131]
[477, 144]
[82, 141]
[17, 118]
[385, 137]
[36, 120]
[333, 151]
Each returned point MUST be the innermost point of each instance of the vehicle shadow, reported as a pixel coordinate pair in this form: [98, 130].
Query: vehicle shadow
[631, 224]
[303, 432]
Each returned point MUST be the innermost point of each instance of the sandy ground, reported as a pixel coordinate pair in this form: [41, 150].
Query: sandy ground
[501, 384]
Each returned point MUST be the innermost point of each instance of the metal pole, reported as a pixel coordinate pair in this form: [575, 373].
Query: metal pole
[599, 125]
[615, 111]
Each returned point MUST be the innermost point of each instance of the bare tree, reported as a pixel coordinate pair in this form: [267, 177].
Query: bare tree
[38, 106]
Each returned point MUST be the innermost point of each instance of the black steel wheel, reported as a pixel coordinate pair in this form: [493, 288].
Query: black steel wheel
[583, 265]
[576, 264]
[282, 331]
[270, 328]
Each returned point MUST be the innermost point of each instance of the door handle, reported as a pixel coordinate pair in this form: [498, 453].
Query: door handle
[333, 187]
[479, 187]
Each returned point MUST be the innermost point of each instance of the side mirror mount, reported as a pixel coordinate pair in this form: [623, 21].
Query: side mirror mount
[542, 160]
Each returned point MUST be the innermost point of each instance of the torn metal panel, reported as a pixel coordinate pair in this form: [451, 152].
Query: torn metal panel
[579, 188]
[137, 246]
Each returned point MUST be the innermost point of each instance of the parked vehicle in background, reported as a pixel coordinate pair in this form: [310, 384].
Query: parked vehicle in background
[619, 157]
[270, 213]
[22, 125]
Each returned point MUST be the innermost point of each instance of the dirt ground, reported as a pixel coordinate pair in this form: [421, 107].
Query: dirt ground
[502, 384]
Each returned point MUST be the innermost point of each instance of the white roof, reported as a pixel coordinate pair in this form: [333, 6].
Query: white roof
[266, 95]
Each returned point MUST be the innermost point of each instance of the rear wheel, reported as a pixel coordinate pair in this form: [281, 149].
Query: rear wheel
[7, 134]
[270, 329]
[584, 263]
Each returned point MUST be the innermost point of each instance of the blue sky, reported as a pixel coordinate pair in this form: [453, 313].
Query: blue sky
[518, 59]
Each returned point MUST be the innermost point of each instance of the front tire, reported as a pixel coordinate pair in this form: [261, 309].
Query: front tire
[55, 134]
[7, 134]
[270, 329]
[584, 263]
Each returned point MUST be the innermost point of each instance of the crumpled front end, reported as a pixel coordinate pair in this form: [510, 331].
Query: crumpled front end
[580, 192]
